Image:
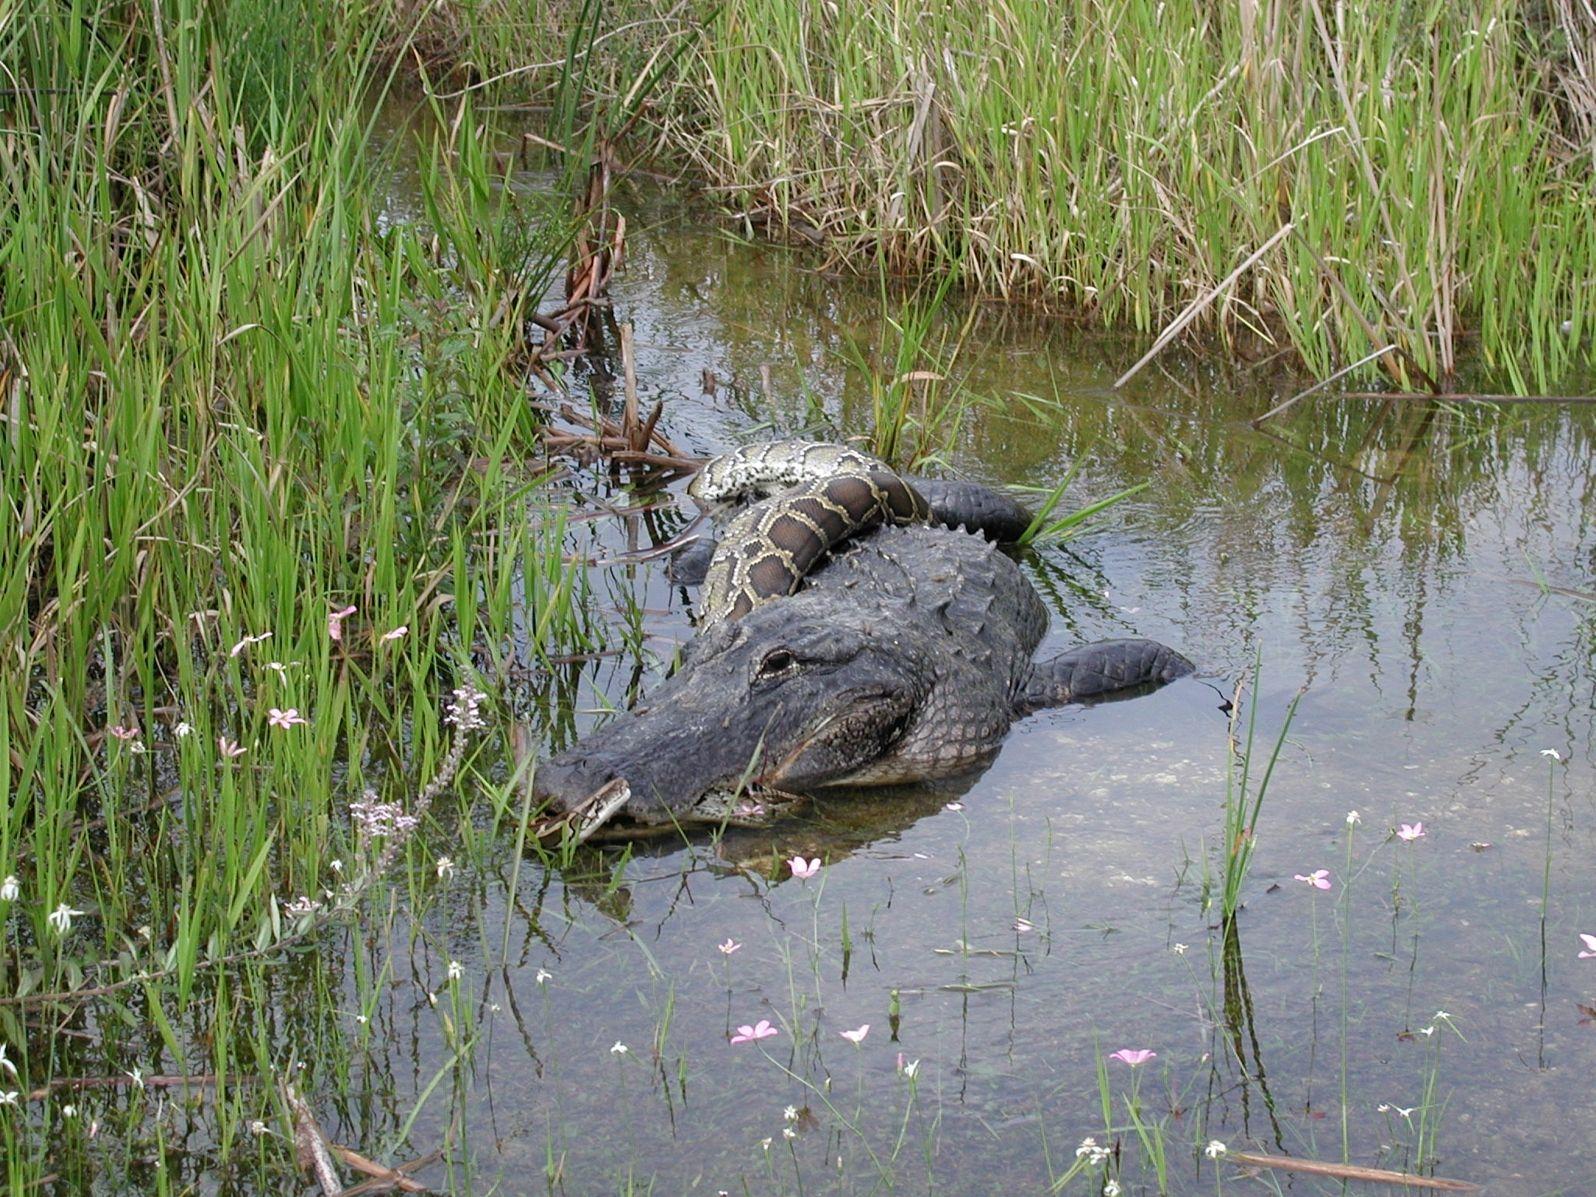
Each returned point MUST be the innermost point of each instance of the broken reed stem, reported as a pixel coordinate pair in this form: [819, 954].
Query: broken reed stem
[1319, 386]
[1380, 1176]
[629, 422]
[1198, 305]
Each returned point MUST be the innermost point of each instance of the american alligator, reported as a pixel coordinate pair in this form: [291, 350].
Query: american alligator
[903, 656]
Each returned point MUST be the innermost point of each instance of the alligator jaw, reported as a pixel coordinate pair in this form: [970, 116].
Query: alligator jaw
[587, 817]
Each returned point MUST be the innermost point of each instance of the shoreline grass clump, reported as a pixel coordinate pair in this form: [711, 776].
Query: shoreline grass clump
[1396, 189]
[1122, 159]
[260, 451]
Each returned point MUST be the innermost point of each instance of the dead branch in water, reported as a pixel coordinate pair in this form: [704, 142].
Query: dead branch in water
[310, 1142]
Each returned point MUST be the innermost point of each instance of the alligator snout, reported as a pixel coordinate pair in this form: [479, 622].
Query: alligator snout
[564, 784]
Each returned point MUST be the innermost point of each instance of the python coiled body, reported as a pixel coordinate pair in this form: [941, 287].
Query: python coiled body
[760, 471]
[768, 549]
[816, 495]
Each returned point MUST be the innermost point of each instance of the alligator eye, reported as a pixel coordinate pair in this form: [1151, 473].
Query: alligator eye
[777, 663]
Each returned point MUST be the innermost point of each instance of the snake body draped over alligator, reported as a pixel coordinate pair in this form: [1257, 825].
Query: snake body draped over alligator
[853, 632]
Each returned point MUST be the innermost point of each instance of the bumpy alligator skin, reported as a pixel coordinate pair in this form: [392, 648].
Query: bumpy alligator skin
[904, 655]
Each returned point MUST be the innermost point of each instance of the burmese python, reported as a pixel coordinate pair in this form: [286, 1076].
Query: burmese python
[816, 496]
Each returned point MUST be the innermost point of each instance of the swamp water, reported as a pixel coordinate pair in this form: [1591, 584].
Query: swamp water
[1420, 573]
[1417, 571]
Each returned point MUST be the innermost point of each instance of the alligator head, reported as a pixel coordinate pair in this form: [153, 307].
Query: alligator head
[795, 696]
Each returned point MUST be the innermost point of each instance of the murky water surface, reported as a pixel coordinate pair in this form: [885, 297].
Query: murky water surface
[1417, 572]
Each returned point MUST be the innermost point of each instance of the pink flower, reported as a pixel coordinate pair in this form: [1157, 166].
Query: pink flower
[1410, 831]
[335, 622]
[856, 1037]
[730, 946]
[804, 869]
[124, 733]
[229, 748]
[1319, 878]
[285, 719]
[760, 1030]
[396, 634]
[1133, 1055]
[1590, 946]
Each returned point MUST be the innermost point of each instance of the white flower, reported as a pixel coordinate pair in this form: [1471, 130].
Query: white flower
[1353, 819]
[9, 1099]
[787, 1132]
[910, 1069]
[336, 866]
[544, 976]
[182, 729]
[456, 970]
[619, 1048]
[138, 1076]
[1215, 1148]
[1023, 925]
[445, 867]
[790, 1113]
[1427, 1031]
[1442, 1016]
[10, 888]
[5, 1063]
[258, 1128]
[765, 1143]
[1091, 1152]
[1553, 753]
[464, 711]
[61, 918]
[1179, 949]
[69, 1111]
[1111, 1188]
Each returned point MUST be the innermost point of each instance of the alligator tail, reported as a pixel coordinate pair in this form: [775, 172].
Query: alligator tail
[1101, 672]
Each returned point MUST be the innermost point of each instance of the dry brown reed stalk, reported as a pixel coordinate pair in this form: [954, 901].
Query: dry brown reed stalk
[1574, 72]
[384, 1179]
[1381, 1176]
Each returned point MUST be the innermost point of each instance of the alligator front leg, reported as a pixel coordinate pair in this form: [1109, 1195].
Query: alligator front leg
[1101, 672]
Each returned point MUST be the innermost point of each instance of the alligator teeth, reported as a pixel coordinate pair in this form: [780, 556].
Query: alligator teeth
[603, 806]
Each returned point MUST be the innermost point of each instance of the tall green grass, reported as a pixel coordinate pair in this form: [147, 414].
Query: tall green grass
[1121, 157]
[234, 398]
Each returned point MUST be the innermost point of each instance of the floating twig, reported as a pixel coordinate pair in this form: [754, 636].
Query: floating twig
[384, 1178]
[1379, 1176]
